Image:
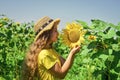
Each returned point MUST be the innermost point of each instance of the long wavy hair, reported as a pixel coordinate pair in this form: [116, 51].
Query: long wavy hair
[30, 70]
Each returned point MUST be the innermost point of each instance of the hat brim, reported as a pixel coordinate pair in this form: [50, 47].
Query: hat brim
[48, 27]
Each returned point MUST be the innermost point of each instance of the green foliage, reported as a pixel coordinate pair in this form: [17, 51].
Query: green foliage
[99, 58]
[14, 40]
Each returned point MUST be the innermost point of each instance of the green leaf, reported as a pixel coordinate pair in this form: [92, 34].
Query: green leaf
[115, 47]
[118, 65]
[86, 60]
[84, 24]
[118, 26]
[113, 71]
[103, 57]
[100, 33]
[111, 33]
[2, 78]
[111, 58]
[110, 51]
[84, 52]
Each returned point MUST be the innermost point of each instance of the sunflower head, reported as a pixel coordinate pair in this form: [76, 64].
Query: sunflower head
[92, 37]
[73, 34]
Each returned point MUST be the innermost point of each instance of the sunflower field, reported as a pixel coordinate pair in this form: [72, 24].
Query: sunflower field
[98, 59]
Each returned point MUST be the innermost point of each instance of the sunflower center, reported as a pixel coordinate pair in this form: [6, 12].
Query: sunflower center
[74, 36]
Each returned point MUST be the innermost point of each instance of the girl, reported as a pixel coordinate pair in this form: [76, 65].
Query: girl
[42, 62]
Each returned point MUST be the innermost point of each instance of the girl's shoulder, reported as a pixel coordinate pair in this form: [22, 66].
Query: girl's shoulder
[45, 52]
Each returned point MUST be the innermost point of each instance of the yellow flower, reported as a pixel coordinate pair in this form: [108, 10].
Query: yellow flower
[1, 25]
[17, 23]
[105, 46]
[5, 18]
[73, 34]
[92, 37]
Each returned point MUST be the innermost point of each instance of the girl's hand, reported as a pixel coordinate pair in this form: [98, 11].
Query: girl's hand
[75, 50]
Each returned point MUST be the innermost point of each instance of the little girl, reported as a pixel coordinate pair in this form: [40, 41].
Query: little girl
[42, 62]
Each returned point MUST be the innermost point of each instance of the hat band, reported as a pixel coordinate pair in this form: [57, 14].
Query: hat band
[43, 26]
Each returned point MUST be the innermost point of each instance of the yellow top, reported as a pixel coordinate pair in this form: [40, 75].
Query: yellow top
[46, 60]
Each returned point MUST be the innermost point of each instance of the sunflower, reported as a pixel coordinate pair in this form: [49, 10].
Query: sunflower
[92, 37]
[73, 34]
[17, 23]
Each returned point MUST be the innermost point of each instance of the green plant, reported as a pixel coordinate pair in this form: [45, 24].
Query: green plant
[14, 41]
[98, 59]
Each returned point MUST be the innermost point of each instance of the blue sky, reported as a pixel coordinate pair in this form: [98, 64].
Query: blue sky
[66, 10]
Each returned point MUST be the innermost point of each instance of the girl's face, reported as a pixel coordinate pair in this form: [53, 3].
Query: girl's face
[54, 34]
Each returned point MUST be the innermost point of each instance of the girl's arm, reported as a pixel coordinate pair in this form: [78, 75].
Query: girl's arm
[61, 71]
[62, 60]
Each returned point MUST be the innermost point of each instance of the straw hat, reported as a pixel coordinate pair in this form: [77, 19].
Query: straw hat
[44, 24]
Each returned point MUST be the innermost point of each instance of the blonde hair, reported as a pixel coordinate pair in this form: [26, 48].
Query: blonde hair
[29, 71]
